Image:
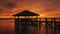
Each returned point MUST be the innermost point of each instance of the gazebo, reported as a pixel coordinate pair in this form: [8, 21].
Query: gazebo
[25, 21]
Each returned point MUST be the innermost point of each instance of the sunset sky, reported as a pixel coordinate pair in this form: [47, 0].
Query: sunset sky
[42, 7]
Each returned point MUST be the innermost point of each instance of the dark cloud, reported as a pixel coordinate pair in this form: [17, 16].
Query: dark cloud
[10, 5]
[7, 3]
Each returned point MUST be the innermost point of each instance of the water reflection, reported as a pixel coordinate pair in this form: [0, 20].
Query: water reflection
[7, 27]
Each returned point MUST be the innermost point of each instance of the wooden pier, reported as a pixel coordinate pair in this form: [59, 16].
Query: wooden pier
[27, 23]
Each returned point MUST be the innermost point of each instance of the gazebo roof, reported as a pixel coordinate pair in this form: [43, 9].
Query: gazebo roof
[26, 13]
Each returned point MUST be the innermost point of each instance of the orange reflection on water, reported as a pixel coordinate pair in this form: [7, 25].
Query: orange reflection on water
[6, 26]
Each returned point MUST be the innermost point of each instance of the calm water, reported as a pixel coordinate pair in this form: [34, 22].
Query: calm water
[7, 27]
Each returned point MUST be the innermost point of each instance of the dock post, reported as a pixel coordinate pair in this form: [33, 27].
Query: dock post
[54, 26]
[46, 25]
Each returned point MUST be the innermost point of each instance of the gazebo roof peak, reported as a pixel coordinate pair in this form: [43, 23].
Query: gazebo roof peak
[26, 13]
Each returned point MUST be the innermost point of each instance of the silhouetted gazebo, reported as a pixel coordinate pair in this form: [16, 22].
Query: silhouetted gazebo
[25, 19]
